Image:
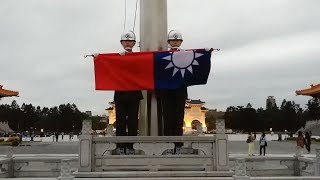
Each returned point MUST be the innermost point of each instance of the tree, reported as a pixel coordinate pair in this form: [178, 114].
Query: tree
[249, 119]
[313, 109]
[229, 118]
[210, 123]
[288, 114]
[65, 118]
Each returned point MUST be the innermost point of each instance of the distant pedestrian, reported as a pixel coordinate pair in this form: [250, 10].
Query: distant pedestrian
[70, 136]
[254, 138]
[250, 141]
[263, 144]
[57, 136]
[279, 137]
[308, 142]
[20, 137]
[62, 134]
[31, 136]
[300, 143]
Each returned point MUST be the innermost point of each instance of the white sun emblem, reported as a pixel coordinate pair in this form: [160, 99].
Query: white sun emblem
[182, 60]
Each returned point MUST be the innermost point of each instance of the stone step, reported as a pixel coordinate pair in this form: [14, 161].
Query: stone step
[153, 174]
[157, 178]
[162, 178]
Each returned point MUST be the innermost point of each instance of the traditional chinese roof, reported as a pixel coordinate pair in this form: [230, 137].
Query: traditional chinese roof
[313, 91]
[109, 108]
[7, 93]
[202, 108]
[195, 101]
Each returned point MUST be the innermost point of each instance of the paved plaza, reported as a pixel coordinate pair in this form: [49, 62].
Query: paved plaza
[235, 147]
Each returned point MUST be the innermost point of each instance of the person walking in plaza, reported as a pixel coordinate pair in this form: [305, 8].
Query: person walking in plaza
[254, 138]
[57, 136]
[300, 143]
[263, 144]
[308, 142]
[250, 141]
[70, 136]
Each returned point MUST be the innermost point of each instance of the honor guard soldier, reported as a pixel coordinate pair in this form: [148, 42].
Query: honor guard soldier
[173, 101]
[127, 103]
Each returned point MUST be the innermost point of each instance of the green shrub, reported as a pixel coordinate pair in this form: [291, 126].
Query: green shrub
[11, 139]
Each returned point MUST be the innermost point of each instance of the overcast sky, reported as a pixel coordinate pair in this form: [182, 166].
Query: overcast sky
[268, 48]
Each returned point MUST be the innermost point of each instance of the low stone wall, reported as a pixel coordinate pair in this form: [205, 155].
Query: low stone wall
[199, 153]
[257, 167]
[35, 166]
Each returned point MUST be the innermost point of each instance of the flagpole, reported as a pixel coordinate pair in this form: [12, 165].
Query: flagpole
[153, 37]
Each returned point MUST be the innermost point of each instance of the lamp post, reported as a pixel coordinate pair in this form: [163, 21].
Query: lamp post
[41, 134]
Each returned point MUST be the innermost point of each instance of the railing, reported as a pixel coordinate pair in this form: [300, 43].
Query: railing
[257, 167]
[278, 167]
[37, 165]
[266, 165]
[4, 169]
[207, 155]
[198, 154]
[202, 156]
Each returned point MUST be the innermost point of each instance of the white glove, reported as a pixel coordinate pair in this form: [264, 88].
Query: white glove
[95, 54]
[122, 53]
[207, 49]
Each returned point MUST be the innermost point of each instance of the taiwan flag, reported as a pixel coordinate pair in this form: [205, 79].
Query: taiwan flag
[164, 70]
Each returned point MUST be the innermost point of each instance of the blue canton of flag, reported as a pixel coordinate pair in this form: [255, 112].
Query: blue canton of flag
[173, 70]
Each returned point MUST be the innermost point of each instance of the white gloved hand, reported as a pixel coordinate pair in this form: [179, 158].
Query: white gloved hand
[122, 53]
[207, 49]
[95, 54]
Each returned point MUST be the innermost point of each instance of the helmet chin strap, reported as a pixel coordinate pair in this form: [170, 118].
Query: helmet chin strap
[175, 47]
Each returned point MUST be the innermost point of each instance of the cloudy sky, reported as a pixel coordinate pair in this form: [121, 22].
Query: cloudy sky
[267, 48]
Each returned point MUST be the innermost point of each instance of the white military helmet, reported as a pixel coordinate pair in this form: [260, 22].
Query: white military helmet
[128, 35]
[174, 35]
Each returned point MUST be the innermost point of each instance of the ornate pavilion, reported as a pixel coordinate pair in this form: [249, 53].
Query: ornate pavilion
[195, 112]
[111, 112]
[313, 91]
[7, 93]
[4, 127]
[314, 125]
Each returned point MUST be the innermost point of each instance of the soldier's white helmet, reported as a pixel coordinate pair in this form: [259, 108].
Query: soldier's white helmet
[128, 36]
[174, 35]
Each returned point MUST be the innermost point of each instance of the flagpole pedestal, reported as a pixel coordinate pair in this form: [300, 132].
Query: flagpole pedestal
[206, 156]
